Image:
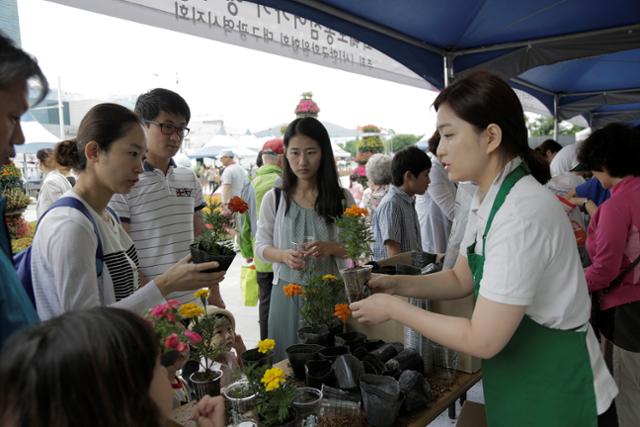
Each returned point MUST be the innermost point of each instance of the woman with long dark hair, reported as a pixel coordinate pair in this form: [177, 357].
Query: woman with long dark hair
[98, 367]
[296, 222]
[530, 324]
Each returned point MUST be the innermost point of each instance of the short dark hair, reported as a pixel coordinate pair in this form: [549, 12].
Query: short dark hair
[548, 145]
[152, 103]
[410, 159]
[17, 64]
[44, 155]
[88, 367]
[104, 124]
[330, 194]
[615, 147]
[482, 98]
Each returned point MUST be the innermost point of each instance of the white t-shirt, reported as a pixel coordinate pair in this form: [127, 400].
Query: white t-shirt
[531, 259]
[63, 265]
[53, 187]
[236, 176]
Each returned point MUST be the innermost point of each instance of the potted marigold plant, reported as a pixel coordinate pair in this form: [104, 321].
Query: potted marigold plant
[215, 243]
[274, 402]
[316, 302]
[261, 355]
[355, 233]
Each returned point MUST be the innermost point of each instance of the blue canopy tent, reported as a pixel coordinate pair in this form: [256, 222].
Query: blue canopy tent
[525, 41]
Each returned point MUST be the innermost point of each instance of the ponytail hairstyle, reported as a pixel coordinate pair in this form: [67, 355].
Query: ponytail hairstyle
[329, 203]
[482, 98]
[104, 124]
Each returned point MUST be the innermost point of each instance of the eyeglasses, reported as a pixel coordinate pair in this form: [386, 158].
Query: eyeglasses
[169, 129]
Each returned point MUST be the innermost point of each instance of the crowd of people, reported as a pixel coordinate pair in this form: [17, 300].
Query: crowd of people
[114, 243]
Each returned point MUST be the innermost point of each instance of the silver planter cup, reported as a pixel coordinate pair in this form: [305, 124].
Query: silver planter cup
[355, 282]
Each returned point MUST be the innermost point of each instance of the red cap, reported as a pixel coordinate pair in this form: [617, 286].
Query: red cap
[275, 146]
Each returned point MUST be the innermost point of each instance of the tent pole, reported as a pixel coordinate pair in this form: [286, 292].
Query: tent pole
[555, 117]
[447, 62]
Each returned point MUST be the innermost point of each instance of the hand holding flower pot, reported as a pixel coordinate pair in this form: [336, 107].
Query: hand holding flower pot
[215, 243]
[356, 235]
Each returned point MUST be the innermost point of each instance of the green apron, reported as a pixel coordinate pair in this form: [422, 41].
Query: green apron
[542, 377]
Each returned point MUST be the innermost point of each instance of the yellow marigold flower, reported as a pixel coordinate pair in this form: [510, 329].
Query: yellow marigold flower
[292, 290]
[190, 310]
[202, 293]
[273, 378]
[266, 345]
[329, 277]
[342, 312]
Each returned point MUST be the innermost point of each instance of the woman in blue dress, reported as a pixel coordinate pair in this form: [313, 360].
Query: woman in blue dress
[296, 229]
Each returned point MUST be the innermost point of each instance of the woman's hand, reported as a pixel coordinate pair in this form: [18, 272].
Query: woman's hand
[383, 283]
[293, 258]
[321, 248]
[186, 276]
[209, 412]
[374, 309]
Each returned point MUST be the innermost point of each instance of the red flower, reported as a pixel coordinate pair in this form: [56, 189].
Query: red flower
[236, 204]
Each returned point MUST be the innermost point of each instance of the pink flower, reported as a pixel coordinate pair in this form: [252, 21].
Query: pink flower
[208, 226]
[194, 337]
[171, 342]
[173, 303]
[159, 310]
[171, 317]
[180, 347]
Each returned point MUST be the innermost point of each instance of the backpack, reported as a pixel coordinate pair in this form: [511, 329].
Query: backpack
[22, 260]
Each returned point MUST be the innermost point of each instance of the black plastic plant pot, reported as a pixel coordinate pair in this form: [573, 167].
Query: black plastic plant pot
[416, 390]
[299, 354]
[352, 340]
[387, 269]
[375, 364]
[311, 335]
[348, 370]
[318, 372]
[381, 399]
[407, 270]
[334, 330]
[331, 353]
[199, 256]
[385, 352]
[409, 359]
[422, 259]
[254, 358]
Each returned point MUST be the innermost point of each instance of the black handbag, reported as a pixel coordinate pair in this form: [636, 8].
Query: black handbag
[621, 324]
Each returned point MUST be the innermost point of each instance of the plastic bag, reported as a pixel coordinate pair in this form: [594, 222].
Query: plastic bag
[249, 285]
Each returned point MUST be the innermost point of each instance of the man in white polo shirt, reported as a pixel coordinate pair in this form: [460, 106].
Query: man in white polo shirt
[234, 177]
[162, 211]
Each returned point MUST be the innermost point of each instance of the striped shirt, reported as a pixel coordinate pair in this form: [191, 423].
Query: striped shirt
[395, 219]
[160, 210]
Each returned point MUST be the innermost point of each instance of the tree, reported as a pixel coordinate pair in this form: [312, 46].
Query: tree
[398, 142]
[543, 126]
[350, 146]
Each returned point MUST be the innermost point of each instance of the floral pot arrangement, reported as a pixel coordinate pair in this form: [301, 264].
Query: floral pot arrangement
[215, 242]
[262, 356]
[356, 235]
[320, 306]
[240, 398]
[307, 106]
[274, 398]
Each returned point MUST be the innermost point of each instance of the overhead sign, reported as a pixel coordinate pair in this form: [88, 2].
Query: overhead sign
[258, 27]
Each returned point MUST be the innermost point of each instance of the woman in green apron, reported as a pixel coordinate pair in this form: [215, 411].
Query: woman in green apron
[541, 364]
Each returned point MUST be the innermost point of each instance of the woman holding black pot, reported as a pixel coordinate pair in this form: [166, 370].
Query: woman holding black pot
[304, 208]
[542, 365]
[81, 256]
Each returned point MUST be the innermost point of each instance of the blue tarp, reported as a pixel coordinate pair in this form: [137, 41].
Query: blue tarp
[533, 42]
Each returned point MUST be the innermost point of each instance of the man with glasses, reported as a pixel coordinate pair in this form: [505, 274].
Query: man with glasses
[162, 211]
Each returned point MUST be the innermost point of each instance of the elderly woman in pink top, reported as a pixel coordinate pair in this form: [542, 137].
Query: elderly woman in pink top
[613, 243]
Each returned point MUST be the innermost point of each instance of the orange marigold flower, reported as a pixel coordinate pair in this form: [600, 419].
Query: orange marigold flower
[355, 211]
[292, 290]
[236, 204]
[342, 312]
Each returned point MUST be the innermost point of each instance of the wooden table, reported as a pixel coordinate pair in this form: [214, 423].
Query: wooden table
[458, 389]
